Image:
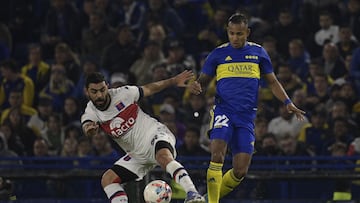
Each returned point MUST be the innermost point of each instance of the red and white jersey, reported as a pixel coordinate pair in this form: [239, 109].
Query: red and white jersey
[124, 120]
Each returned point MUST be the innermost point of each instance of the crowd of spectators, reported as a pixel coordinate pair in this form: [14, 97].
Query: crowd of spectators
[48, 47]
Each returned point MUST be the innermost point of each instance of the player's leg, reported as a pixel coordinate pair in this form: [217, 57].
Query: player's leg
[214, 172]
[164, 155]
[111, 182]
[242, 146]
[233, 177]
[220, 134]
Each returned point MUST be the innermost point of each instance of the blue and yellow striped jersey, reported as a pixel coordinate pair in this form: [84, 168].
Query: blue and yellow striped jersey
[237, 72]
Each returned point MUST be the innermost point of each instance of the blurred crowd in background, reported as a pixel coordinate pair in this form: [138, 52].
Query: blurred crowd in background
[47, 47]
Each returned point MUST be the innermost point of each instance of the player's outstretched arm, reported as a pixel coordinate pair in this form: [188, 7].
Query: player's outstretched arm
[178, 80]
[281, 94]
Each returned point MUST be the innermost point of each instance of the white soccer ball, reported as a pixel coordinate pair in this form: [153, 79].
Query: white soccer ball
[157, 191]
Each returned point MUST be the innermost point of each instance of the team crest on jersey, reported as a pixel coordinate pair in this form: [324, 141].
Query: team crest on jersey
[120, 106]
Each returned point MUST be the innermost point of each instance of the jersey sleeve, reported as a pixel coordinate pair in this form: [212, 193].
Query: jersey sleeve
[265, 62]
[88, 116]
[133, 93]
[210, 64]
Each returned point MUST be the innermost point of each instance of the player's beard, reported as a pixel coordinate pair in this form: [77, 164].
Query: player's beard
[102, 103]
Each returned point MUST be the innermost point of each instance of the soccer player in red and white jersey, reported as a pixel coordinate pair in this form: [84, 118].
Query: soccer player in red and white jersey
[147, 142]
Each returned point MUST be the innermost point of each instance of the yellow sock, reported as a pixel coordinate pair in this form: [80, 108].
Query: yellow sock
[214, 179]
[229, 182]
[342, 196]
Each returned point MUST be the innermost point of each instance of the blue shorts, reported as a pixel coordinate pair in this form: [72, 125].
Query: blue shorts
[240, 138]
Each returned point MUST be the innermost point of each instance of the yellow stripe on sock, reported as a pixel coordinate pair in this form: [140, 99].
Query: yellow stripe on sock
[215, 166]
[231, 171]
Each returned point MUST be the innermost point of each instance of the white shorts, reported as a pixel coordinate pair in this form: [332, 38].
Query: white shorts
[141, 164]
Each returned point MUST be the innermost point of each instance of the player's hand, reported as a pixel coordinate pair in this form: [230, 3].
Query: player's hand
[195, 88]
[298, 112]
[91, 128]
[181, 78]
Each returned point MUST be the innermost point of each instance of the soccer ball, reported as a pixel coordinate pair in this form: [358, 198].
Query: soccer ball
[157, 191]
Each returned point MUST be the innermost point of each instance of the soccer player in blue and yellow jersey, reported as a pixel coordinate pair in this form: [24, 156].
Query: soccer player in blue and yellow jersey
[12, 79]
[237, 66]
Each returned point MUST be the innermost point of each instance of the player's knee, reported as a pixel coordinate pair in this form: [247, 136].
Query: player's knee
[109, 177]
[164, 153]
[240, 172]
[218, 157]
[163, 157]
